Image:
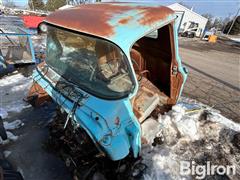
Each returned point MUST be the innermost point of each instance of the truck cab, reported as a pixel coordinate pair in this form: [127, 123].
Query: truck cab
[109, 66]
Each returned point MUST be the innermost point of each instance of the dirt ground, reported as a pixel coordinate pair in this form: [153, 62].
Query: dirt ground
[214, 74]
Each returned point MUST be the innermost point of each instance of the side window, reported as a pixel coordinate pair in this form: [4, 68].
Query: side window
[96, 65]
[153, 56]
[153, 35]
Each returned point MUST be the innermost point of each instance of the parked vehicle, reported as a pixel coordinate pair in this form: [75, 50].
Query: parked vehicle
[109, 66]
[191, 30]
[34, 22]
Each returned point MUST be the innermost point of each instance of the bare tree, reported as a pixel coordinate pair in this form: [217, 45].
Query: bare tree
[210, 20]
[218, 23]
[51, 5]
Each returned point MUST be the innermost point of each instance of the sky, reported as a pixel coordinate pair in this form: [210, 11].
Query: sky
[218, 8]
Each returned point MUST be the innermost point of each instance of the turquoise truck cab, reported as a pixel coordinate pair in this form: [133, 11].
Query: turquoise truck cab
[110, 66]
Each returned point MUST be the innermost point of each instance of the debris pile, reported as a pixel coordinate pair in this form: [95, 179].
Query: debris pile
[192, 131]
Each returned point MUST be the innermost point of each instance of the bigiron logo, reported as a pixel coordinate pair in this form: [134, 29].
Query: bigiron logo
[201, 171]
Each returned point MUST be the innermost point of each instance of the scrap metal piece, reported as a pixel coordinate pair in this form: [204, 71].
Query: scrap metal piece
[37, 95]
[15, 43]
[147, 99]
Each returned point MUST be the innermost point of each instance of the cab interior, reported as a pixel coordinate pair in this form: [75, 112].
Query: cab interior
[152, 58]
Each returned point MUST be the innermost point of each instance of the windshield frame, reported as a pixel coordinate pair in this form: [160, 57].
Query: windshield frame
[87, 90]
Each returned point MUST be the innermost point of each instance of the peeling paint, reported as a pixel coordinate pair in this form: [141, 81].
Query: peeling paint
[102, 14]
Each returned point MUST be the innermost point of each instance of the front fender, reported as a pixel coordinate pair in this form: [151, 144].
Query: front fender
[114, 139]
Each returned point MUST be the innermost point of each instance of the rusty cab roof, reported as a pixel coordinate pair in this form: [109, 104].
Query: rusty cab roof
[121, 23]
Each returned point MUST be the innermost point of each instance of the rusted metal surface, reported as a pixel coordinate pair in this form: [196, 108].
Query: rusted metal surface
[154, 14]
[147, 99]
[177, 78]
[125, 20]
[157, 56]
[37, 95]
[96, 18]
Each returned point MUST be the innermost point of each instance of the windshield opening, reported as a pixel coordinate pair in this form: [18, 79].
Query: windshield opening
[94, 65]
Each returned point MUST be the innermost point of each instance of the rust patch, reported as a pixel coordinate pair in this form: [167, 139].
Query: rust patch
[75, 19]
[37, 95]
[94, 18]
[124, 20]
[154, 14]
[146, 100]
[90, 18]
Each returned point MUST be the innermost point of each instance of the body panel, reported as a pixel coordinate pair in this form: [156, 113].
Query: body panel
[104, 131]
[111, 124]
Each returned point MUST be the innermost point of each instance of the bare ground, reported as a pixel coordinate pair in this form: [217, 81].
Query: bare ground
[214, 74]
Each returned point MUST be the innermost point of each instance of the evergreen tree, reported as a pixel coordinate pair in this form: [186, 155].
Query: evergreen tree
[52, 5]
[210, 20]
[36, 4]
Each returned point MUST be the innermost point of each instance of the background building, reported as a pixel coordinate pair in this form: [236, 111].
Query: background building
[188, 19]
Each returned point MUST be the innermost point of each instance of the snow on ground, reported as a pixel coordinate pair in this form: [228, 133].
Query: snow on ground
[192, 131]
[13, 89]
[13, 125]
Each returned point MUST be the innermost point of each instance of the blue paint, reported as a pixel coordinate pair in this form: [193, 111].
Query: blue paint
[98, 116]
[14, 34]
[125, 39]
[32, 49]
[178, 58]
[115, 140]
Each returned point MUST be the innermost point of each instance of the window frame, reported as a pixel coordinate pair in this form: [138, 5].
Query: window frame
[125, 59]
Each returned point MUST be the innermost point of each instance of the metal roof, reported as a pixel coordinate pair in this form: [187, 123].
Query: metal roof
[113, 21]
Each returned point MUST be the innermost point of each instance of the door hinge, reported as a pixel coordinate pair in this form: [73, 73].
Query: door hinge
[174, 70]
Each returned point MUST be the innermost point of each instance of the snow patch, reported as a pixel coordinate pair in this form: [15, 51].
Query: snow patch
[13, 89]
[13, 125]
[11, 136]
[3, 113]
[12, 80]
[191, 131]
[7, 153]
[218, 118]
